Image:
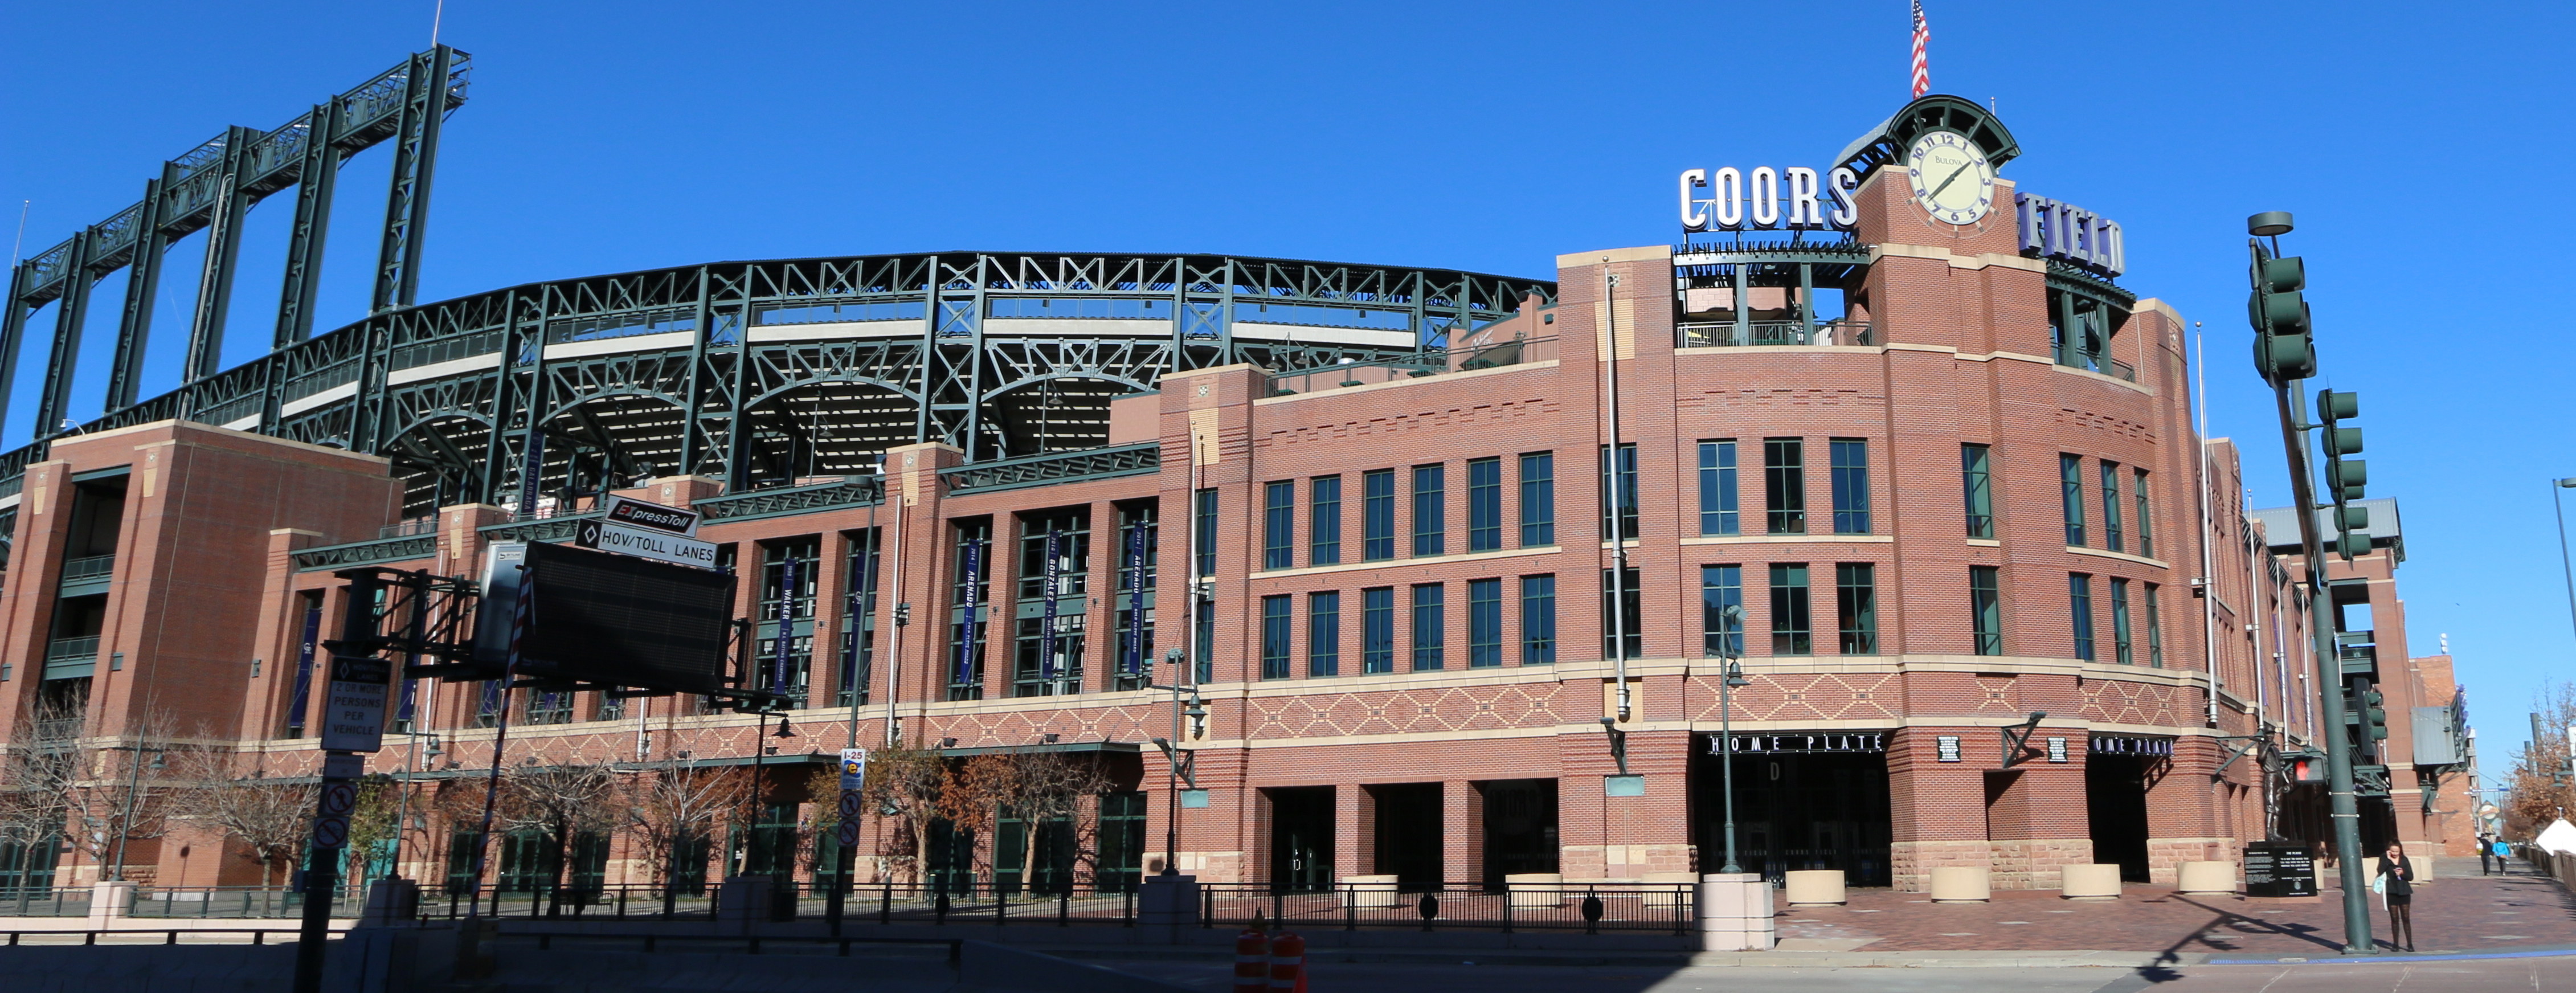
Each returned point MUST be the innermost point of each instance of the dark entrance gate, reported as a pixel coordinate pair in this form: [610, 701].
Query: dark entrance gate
[2115, 802]
[1808, 800]
[1408, 833]
[1520, 827]
[1301, 839]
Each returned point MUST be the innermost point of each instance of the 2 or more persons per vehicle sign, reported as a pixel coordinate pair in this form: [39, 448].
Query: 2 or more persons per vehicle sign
[353, 719]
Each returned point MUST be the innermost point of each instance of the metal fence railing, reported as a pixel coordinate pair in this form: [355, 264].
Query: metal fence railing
[198, 902]
[1629, 907]
[1717, 334]
[1470, 354]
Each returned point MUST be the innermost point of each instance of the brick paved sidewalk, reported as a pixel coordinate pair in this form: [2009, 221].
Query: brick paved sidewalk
[2453, 912]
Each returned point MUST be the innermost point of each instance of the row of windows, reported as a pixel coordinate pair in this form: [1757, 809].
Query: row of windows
[2114, 537]
[1784, 486]
[1380, 538]
[1425, 615]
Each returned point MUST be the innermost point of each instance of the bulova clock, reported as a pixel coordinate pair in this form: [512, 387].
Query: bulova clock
[1951, 178]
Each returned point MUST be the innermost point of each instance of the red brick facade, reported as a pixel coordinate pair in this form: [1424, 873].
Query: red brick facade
[206, 583]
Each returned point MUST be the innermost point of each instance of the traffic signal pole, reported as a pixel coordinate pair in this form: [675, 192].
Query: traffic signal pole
[2285, 356]
[2346, 807]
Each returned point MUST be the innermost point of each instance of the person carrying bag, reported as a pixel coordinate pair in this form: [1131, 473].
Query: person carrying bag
[2395, 885]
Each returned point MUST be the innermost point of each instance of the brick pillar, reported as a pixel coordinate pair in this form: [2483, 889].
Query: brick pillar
[1937, 810]
[1354, 831]
[1462, 817]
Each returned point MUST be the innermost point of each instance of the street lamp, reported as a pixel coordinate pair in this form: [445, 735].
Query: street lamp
[1730, 621]
[2563, 563]
[1172, 756]
[133, 784]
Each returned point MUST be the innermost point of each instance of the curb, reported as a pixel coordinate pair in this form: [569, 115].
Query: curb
[2329, 959]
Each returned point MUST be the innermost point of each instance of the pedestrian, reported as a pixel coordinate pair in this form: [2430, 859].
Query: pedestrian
[2503, 851]
[2396, 884]
[2486, 854]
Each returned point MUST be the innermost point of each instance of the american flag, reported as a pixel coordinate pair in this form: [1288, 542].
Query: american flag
[1922, 61]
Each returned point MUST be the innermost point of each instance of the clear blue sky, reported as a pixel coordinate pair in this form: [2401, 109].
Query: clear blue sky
[2416, 144]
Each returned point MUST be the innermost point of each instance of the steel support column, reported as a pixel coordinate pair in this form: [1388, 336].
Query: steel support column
[313, 192]
[13, 328]
[53, 405]
[496, 448]
[415, 161]
[691, 434]
[142, 288]
[223, 252]
[738, 431]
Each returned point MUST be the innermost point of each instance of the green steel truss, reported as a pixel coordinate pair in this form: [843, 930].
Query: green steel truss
[652, 373]
[210, 189]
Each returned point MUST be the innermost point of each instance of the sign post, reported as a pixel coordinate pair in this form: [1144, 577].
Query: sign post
[353, 721]
[854, 776]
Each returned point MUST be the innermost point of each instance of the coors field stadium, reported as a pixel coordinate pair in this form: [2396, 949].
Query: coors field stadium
[1859, 536]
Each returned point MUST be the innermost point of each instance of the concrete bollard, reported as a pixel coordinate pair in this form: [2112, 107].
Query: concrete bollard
[1370, 891]
[2207, 877]
[2089, 882]
[1961, 884]
[1735, 913]
[1534, 890]
[1815, 888]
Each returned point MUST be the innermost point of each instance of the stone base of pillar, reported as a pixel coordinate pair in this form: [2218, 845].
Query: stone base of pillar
[1168, 900]
[109, 901]
[1735, 912]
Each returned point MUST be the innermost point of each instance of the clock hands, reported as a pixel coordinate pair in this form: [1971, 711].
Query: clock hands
[1945, 184]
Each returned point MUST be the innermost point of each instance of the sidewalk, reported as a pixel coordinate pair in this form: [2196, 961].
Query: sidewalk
[2453, 913]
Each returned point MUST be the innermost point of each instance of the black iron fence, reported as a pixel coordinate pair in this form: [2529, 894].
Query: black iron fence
[1621, 907]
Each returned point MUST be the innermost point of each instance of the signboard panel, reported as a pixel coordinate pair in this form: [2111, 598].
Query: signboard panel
[353, 714]
[660, 546]
[618, 620]
[651, 516]
[2278, 869]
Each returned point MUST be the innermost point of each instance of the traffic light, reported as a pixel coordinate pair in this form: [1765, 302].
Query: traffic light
[2345, 477]
[2366, 711]
[2279, 314]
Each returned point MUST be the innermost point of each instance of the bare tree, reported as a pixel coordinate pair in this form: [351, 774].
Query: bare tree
[99, 794]
[2542, 792]
[562, 801]
[677, 804]
[907, 781]
[271, 816]
[41, 773]
[1053, 788]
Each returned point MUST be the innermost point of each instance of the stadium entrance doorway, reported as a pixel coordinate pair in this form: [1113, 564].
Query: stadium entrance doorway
[1802, 801]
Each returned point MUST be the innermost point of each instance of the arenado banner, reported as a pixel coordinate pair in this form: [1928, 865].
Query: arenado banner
[1765, 198]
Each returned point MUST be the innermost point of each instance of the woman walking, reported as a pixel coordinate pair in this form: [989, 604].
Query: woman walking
[2397, 884]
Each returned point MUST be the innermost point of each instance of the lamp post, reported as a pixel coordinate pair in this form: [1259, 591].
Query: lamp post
[133, 784]
[1731, 619]
[1172, 755]
[2563, 562]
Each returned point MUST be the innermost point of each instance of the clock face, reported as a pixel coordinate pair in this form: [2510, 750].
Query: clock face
[1951, 178]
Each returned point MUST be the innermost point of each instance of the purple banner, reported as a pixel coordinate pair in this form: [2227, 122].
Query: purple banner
[972, 600]
[786, 623]
[1047, 637]
[1132, 660]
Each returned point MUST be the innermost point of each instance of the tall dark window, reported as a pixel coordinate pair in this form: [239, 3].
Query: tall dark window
[1484, 504]
[2155, 631]
[1620, 489]
[1430, 510]
[1377, 512]
[1275, 618]
[1047, 651]
[1377, 629]
[1856, 607]
[2120, 647]
[970, 609]
[1538, 499]
[859, 614]
[1324, 634]
[801, 559]
[1205, 532]
[1784, 485]
[1717, 508]
[2079, 604]
[1791, 631]
[1324, 527]
[1631, 618]
[1985, 609]
[1851, 486]
[1538, 620]
[1138, 548]
[1484, 623]
[2070, 473]
[1430, 627]
[1205, 636]
[1279, 525]
[1720, 587]
[2146, 537]
[2111, 506]
[1976, 477]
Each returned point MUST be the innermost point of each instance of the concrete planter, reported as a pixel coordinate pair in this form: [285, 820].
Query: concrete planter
[1735, 913]
[2089, 882]
[2207, 877]
[1961, 884]
[1814, 887]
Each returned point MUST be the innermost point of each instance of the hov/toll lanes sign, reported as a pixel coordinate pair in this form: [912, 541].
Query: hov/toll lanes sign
[353, 717]
[641, 543]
